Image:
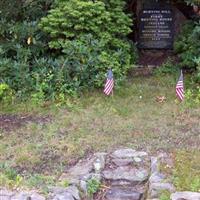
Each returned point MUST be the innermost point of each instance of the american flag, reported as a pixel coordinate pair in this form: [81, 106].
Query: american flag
[180, 87]
[108, 88]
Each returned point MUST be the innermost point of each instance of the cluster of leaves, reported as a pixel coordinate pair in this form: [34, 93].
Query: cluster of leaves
[93, 186]
[187, 45]
[69, 51]
[6, 94]
[20, 10]
[21, 41]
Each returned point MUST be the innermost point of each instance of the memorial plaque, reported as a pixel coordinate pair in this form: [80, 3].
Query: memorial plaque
[156, 28]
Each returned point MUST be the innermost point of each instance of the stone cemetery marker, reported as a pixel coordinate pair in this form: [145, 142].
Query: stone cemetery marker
[156, 25]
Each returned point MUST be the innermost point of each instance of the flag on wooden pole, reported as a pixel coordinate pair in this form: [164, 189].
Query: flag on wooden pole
[180, 87]
[108, 88]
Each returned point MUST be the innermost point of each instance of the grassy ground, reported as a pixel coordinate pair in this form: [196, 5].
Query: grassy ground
[131, 118]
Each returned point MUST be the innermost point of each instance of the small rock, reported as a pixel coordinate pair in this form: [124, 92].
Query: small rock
[137, 159]
[123, 153]
[123, 194]
[122, 162]
[155, 189]
[101, 157]
[154, 165]
[63, 196]
[126, 173]
[185, 195]
[156, 178]
[73, 190]
[80, 170]
[83, 186]
[57, 190]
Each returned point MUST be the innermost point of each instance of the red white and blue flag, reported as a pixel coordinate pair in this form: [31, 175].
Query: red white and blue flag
[108, 88]
[180, 87]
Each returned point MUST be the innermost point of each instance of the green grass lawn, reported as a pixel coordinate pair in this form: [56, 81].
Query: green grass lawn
[130, 118]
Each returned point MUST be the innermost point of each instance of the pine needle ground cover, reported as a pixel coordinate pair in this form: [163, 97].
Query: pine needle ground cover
[36, 152]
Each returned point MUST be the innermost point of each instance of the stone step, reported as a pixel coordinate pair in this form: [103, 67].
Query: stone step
[129, 174]
[123, 194]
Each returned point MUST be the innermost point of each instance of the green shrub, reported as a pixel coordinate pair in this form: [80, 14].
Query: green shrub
[187, 45]
[71, 19]
[18, 10]
[86, 39]
[22, 41]
[167, 67]
[93, 186]
[6, 94]
[16, 75]
[91, 35]
[192, 97]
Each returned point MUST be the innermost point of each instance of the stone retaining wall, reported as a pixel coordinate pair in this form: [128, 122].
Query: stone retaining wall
[125, 174]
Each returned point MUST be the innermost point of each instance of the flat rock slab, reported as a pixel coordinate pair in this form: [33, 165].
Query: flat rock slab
[123, 194]
[123, 153]
[60, 191]
[128, 153]
[27, 196]
[156, 178]
[185, 196]
[127, 174]
[80, 170]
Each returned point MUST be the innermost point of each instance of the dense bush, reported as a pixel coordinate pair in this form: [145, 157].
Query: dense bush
[187, 45]
[20, 10]
[85, 39]
[188, 48]
[84, 67]
[22, 41]
[73, 18]
[107, 27]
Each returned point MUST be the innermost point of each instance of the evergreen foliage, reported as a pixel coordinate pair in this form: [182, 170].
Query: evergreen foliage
[74, 18]
[85, 39]
[107, 26]
[187, 48]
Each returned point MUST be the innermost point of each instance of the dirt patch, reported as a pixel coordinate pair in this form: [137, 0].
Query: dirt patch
[11, 122]
[156, 57]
